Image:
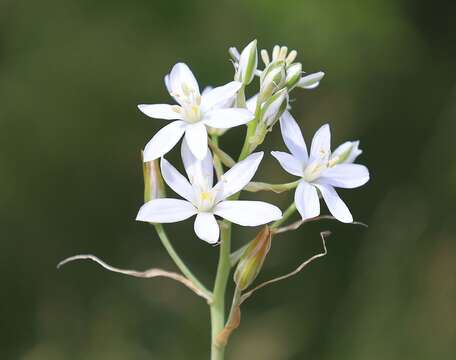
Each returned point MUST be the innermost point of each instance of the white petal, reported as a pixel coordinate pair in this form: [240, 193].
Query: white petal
[289, 163]
[306, 200]
[219, 94]
[176, 181]
[321, 145]
[227, 118]
[248, 213]
[182, 79]
[206, 90]
[196, 137]
[206, 227]
[234, 53]
[164, 140]
[165, 211]
[335, 204]
[238, 176]
[167, 83]
[311, 81]
[292, 137]
[346, 152]
[346, 176]
[200, 172]
[161, 111]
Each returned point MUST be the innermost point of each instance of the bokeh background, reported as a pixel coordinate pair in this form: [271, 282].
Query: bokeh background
[71, 74]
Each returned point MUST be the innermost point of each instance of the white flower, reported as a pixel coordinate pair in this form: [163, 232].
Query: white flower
[317, 172]
[192, 115]
[205, 200]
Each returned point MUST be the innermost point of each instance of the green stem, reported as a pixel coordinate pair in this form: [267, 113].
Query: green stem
[251, 127]
[217, 163]
[250, 132]
[218, 301]
[178, 261]
[288, 212]
[224, 265]
[224, 157]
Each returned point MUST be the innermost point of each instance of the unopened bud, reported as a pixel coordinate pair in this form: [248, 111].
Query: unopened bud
[345, 153]
[275, 52]
[291, 57]
[273, 108]
[283, 53]
[265, 57]
[272, 79]
[252, 259]
[248, 63]
[293, 75]
[154, 187]
[311, 81]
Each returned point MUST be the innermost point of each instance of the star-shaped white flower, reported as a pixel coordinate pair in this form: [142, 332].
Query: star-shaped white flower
[318, 171]
[193, 113]
[205, 200]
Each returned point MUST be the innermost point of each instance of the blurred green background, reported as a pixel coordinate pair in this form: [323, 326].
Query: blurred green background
[71, 75]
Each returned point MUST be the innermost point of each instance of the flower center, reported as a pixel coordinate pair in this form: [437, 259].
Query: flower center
[314, 170]
[190, 101]
[192, 113]
[206, 201]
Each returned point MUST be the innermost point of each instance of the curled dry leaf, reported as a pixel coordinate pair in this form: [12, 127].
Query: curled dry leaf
[151, 273]
[234, 319]
[323, 235]
[297, 224]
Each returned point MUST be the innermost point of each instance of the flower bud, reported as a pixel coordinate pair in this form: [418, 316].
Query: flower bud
[311, 81]
[252, 259]
[265, 57]
[291, 57]
[272, 79]
[273, 108]
[248, 63]
[154, 187]
[345, 153]
[293, 75]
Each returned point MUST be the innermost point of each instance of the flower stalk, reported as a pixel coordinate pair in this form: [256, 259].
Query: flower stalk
[179, 262]
[217, 307]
